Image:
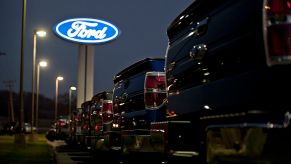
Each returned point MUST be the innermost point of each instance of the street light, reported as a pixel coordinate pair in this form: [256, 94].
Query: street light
[40, 64]
[70, 94]
[39, 33]
[59, 78]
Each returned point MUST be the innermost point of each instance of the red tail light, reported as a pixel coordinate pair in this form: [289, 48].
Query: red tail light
[98, 128]
[107, 111]
[62, 123]
[278, 31]
[154, 89]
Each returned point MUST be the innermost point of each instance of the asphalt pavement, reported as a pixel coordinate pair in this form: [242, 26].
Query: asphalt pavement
[70, 154]
[75, 154]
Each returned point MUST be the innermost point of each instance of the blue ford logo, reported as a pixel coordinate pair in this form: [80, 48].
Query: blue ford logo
[86, 30]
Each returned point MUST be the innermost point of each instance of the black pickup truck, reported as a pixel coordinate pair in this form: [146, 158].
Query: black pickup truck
[228, 75]
[128, 93]
[138, 91]
[91, 120]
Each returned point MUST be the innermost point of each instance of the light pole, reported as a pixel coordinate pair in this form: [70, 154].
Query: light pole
[59, 78]
[20, 138]
[40, 64]
[70, 105]
[41, 34]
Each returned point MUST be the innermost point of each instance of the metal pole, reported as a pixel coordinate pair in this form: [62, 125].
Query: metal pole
[37, 95]
[9, 84]
[56, 100]
[85, 79]
[70, 106]
[20, 139]
[21, 114]
[33, 79]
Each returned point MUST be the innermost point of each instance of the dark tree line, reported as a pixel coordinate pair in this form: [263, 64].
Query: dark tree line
[46, 105]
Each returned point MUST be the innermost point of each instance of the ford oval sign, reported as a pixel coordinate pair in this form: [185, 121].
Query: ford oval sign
[86, 30]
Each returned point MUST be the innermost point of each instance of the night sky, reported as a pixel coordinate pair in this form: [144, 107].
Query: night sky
[143, 26]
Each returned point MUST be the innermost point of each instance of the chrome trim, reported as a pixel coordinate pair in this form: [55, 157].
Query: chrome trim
[246, 125]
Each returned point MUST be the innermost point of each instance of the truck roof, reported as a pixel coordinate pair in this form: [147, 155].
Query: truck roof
[102, 95]
[136, 67]
[181, 20]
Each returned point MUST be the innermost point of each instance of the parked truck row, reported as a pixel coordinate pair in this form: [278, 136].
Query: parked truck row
[219, 96]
